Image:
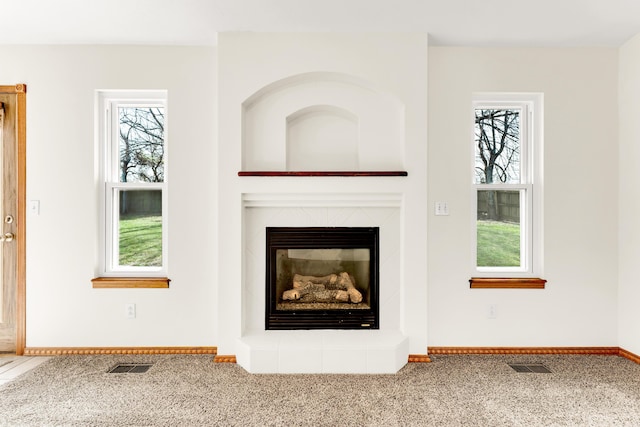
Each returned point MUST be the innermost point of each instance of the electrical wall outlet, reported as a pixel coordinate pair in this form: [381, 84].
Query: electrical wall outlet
[492, 311]
[130, 311]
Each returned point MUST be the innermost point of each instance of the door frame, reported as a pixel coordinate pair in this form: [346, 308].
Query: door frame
[20, 91]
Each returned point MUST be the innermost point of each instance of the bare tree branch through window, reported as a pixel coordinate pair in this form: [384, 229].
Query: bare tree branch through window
[141, 144]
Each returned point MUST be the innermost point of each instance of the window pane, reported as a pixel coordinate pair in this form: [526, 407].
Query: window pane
[140, 228]
[141, 133]
[497, 143]
[498, 228]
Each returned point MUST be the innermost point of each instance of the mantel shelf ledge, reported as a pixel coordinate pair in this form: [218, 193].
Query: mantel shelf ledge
[323, 173]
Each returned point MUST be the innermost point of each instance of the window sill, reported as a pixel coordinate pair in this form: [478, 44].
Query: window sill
[130, 282]
[507, 283]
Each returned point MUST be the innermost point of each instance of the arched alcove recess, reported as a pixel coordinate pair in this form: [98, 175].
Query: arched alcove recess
[303, 122]
[322, 137]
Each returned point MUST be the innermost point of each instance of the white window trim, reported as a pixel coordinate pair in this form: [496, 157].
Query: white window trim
[108, 180]
[532, 182]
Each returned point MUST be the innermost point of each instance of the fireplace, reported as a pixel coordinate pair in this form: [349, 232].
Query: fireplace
[291, 115]
[322, 278]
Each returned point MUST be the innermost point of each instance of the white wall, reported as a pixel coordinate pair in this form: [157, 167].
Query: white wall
[579, 305]
[62, 307]
[629, 232]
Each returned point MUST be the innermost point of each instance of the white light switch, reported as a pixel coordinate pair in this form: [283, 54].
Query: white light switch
[442, 208]
[34, 207]
[130, 311]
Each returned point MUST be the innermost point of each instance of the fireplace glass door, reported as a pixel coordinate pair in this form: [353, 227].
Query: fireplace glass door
[322, 278]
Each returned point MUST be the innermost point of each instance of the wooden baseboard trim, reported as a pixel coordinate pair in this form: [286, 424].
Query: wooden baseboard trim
[67, 351]
[628, 355]
[595, 351]
[228, 358]
[413, 358]
[419, 358]
[603, 351]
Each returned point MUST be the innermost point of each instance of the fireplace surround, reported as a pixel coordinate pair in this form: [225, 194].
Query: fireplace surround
[291, 105]
[322, 278]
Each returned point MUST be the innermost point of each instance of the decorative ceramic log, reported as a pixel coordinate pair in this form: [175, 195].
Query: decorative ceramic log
[291, 294]
[324, 288]
[301, 281]
[342, 296]
[301, 290]
[346, 281]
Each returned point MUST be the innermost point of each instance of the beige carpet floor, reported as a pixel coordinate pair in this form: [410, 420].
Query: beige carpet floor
[181, 390]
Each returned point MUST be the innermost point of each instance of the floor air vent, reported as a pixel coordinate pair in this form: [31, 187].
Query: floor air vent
[131, 368]
[536, 368]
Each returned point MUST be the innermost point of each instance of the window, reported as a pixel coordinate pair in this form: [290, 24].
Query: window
[507, 189]
[133, 179]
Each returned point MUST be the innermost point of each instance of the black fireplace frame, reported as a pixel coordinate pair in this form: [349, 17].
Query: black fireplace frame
[322, 238]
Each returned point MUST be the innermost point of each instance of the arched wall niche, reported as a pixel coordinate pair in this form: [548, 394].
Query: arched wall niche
[322, 137]
[322, 121]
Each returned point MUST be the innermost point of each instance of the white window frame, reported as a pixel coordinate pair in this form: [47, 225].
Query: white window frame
[530, 186]
[107, 103]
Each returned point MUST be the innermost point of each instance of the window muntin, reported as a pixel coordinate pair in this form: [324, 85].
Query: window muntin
[504, 172]
[133, 139]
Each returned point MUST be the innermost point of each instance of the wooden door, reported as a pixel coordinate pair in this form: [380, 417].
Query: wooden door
[12, 218]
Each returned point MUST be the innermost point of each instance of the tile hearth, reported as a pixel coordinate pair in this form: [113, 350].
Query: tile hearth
[323, 351]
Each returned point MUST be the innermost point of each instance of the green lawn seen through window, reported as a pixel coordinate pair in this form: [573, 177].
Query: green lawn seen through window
[141, 241]
[498, 244]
